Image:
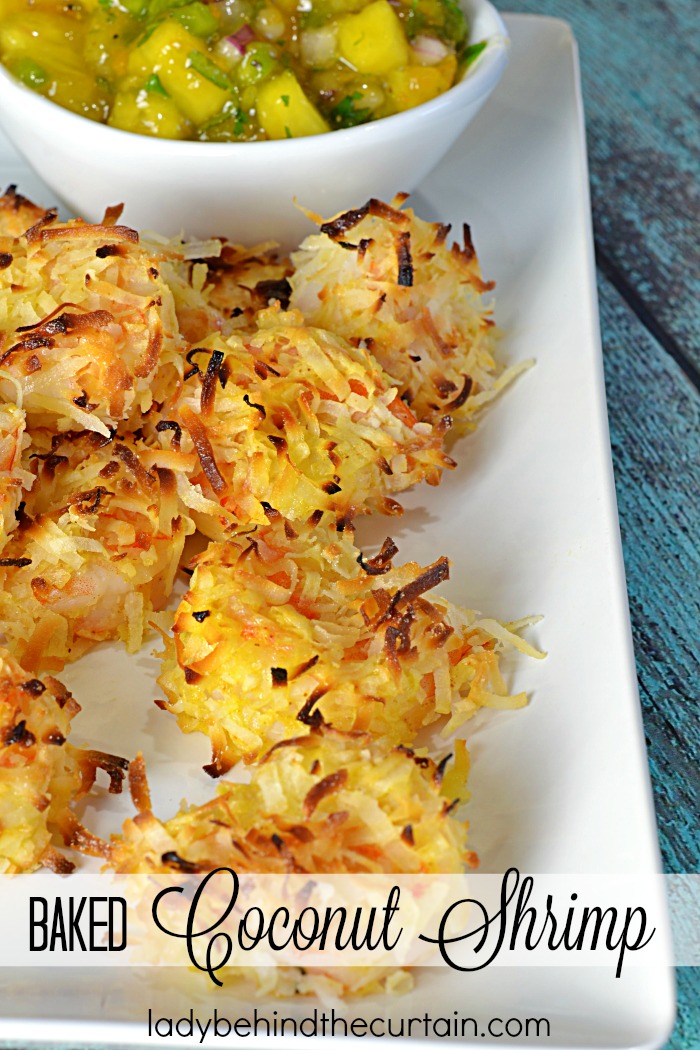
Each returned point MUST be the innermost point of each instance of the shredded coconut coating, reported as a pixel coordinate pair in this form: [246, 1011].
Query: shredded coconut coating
[97, 550]
[327, 802]
[17, 213]
[218, 286]
[40, 773]
[245, 280]
[283, 624]
[89, 336]
[387, 280]
[294, 421]
[14, 480]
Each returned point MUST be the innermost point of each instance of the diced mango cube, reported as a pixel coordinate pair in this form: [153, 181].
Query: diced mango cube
[35, 36]
[166, 52]
[414, 85]
[284, 111]
[148, 114]
[373, 40]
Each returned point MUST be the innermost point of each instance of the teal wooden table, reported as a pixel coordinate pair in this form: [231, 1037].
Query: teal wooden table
[640, 65]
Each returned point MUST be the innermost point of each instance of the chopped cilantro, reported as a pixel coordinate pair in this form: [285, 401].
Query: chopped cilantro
[285, 99]
[154, 86]
[471, 53]
[241, 121]
[344, 114]
[287, 132]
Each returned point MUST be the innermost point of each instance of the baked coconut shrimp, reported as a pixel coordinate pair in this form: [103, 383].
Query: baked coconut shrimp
[14, 480]
[329, 802]
[97, 549]
[292, 420]
[88, 331]
[282, 625]
[382, 277]
[40, 773]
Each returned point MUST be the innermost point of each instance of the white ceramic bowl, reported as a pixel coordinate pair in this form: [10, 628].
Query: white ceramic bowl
[246, 191]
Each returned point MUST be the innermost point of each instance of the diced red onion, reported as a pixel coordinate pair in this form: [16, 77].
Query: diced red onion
[429, 50]
[241, 39]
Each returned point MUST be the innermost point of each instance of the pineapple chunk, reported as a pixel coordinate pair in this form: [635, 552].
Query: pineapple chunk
[167, 52]
[414, 85]
[284, 111]
[373, 40]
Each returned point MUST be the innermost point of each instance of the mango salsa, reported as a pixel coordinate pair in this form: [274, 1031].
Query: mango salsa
[238, 70]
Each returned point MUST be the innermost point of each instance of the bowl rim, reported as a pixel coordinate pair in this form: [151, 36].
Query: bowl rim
[478, 81]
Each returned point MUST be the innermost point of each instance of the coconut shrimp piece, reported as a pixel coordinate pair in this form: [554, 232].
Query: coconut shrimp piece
[284, 624]
[382, 277]
[14, 480]
[97, 549]
[329, 802]
[89, 334]
[40, 773]
[291, 420]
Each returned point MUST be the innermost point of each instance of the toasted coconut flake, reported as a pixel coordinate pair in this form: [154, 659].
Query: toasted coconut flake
[85, 324]
[99, 549]
[289, 818]
[305, 426]
[40, 774]
[425, 323]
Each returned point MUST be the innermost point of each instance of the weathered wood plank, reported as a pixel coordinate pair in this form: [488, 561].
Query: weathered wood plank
[654, 417]
[655, 434]
[640, 66]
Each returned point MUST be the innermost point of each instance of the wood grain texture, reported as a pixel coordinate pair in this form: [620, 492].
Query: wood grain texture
[639, 69]
[639, 64]
[654, 414]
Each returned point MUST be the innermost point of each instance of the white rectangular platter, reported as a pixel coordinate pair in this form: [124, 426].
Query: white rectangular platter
[529, 521]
